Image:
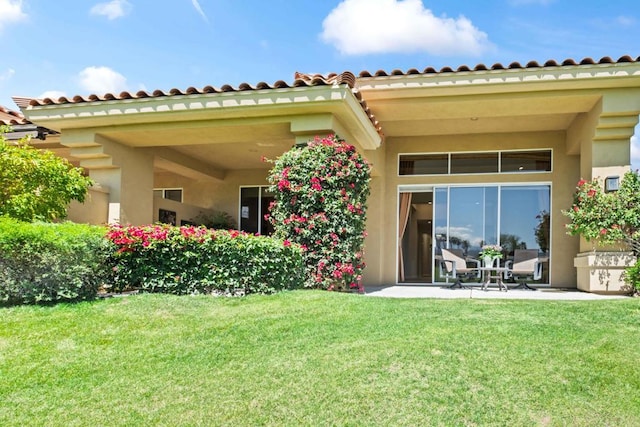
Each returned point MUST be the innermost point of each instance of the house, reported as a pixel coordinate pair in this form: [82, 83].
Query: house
[460, 157]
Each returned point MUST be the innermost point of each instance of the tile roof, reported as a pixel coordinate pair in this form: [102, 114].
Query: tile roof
[10, 118]
[310, 80]
[498, 66]
[301, 80]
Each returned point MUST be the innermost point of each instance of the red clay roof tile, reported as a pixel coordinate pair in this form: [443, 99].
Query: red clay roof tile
[309, 80]
[10, 117]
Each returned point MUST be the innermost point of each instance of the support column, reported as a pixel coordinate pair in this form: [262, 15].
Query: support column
[130, 182]
[607, 154]
[127, 172]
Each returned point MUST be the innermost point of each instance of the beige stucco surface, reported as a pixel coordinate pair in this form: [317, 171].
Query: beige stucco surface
[210, 144]
[563, 178]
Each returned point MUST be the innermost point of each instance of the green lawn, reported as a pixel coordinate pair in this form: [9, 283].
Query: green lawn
[320, 358]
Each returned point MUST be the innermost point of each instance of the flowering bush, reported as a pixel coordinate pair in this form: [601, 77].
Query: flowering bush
[321, 193]
[609, 217]
[592, 214]
[493, 251]
[187, 260]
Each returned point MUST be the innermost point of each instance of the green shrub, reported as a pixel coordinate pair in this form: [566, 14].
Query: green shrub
[37, 184]
[320, 203]
[218, 220]
[188, 260]
[632, 277]
[46, 263]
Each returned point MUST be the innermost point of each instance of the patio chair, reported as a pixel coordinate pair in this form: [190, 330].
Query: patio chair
[454, 265]
[525, 265]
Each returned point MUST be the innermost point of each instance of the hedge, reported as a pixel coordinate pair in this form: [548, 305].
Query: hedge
[191, 260]
[48, 263]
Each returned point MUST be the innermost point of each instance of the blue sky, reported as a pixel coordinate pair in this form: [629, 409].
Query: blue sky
[69, 47]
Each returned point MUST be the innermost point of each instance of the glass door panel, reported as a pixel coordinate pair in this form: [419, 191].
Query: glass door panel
[525, 222]
[516, 217]
[473, 218]
[249, 209]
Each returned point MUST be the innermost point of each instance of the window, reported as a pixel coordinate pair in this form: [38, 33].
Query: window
[169, 193]
[424, 164]
[525, 161]
[514, 161]
[254, 205]
[513, 216]
[474, 163]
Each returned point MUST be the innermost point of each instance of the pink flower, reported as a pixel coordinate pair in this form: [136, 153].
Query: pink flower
[286, 243]
[284, 184]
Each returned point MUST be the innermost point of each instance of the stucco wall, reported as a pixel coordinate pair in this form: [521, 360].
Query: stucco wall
[563, 179]
[214, 194]
[94, 210]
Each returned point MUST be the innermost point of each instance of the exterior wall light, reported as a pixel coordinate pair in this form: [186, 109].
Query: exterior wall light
[611, 183]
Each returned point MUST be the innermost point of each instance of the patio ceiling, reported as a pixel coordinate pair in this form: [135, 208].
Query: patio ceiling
[424, 116]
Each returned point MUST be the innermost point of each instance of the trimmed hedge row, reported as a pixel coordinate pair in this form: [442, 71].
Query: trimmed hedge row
[47, 263]
[188, 260]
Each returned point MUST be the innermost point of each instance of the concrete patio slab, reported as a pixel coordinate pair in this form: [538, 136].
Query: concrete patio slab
[417, 291]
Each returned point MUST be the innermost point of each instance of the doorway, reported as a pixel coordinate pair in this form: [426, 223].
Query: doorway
[416, 240]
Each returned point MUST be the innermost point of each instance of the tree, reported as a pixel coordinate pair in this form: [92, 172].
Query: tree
[609, 218]
[36, 184]
[321, 193]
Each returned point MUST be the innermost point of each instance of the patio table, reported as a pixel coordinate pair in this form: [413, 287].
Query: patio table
[496, 273]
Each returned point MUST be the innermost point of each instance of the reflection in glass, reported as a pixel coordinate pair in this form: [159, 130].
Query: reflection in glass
[525, 221]
[525, 161]
[254, 205]
[474, 163]
[515, 217]
[440, 219]
[473, 218]
[424, 164]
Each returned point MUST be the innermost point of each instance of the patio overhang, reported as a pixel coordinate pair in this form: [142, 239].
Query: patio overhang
[216, 131]
[543, 98]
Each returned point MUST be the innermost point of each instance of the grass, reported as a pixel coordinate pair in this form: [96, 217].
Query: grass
[319, 358]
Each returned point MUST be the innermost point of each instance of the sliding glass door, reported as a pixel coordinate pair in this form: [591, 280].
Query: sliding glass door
[467, 217]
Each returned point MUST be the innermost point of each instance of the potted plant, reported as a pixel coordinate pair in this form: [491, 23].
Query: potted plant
[490, 253]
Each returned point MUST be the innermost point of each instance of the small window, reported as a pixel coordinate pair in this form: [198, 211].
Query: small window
[254, 204]
[424, 164]
[526, 161]
[474, 162]
[169, 193]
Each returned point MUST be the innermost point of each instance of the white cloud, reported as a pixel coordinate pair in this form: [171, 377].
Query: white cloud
[11, 11]
[625, 21]
[357, 27]
[196, 5]
[53, 94]
[112, 10]
[101, 80]
[7, 74]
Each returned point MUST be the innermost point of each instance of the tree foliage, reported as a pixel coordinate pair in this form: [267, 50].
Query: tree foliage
[607, 217]
[321, 193]
[37, 184]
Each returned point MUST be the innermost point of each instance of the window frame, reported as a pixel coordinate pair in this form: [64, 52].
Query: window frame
[498, 152]
[164, 193]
